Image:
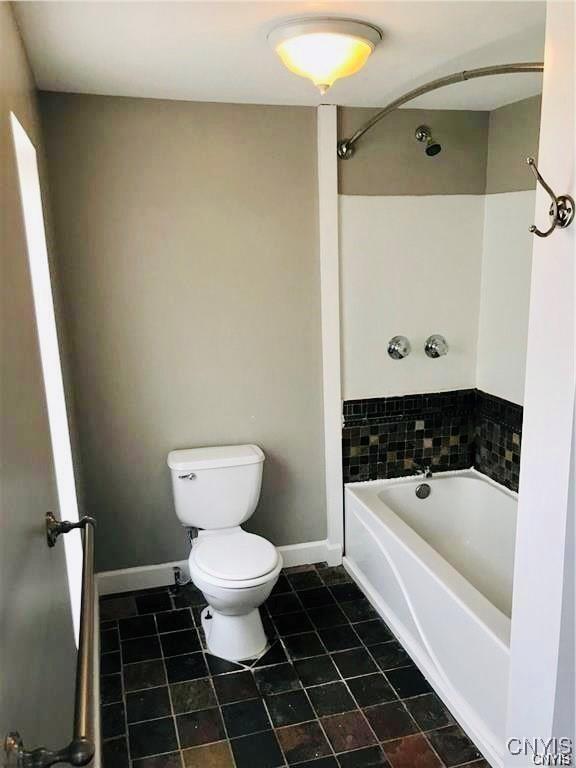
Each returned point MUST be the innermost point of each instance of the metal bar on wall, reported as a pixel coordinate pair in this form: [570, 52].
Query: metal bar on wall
[80, 751]
[346, 146]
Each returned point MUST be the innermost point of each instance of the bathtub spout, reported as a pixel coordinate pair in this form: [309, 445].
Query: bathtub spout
[422, 469]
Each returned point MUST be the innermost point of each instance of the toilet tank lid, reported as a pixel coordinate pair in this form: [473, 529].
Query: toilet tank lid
[215, 457]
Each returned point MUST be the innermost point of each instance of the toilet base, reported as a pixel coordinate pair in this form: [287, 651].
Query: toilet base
[234, 638]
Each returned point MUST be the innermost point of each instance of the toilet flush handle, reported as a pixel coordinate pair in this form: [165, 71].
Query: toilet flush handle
[189, 476]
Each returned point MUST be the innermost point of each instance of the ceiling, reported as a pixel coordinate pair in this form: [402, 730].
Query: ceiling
[217, 51]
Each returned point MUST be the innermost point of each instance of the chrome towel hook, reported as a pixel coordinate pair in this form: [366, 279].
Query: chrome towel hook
[561, 210]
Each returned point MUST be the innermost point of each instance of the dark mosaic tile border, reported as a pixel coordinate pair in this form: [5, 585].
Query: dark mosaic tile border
[335, 689]
[498, 439]
[366, 411]
[388, 437]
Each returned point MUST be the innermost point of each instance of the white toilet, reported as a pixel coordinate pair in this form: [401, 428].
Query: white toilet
[215, 491]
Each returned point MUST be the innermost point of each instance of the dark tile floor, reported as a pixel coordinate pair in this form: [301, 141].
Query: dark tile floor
[334, 690]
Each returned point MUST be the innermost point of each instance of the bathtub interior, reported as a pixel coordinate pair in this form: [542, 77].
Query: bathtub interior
[468, 520]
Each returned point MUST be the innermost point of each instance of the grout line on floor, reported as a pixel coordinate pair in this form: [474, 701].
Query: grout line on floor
[252, 668]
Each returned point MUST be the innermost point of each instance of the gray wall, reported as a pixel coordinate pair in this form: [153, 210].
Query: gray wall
[389, 161]
[187, 244]
[483, 152]
[513, 134]
[36, 640]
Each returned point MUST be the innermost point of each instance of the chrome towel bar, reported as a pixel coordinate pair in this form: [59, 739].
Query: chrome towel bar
[80, 751]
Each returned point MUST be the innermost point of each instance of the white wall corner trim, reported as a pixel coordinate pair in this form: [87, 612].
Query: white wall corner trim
[537, 646]
[330, 303]
[162, 575]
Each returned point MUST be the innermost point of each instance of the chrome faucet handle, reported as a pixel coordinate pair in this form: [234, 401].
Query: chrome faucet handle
[436, 346]
[399, 347]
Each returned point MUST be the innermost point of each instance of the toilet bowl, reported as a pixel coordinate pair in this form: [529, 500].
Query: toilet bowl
[215, 490]
[236, 572]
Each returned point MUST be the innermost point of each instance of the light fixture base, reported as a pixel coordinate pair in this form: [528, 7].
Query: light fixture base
[318, 24]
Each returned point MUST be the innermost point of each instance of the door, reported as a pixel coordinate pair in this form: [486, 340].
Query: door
[37, 645]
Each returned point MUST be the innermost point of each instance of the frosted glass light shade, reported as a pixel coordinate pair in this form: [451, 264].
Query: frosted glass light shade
[324, 50]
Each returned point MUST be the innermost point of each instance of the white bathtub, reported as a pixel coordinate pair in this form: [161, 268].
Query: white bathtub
[439, 570]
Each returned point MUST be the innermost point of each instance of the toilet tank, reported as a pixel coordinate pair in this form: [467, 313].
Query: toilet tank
[216, 487]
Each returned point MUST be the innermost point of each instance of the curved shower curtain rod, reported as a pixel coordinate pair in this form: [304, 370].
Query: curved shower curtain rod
[346, 146]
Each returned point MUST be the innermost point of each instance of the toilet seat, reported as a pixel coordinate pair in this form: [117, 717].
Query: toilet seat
[234, 559]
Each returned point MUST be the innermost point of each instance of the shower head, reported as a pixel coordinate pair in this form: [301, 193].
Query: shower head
[423, 134]
[432, 148]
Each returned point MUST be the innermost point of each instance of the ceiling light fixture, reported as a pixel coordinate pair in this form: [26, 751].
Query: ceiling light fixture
[324, 50]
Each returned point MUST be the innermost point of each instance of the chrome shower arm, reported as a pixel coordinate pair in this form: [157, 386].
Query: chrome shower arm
[346, 146]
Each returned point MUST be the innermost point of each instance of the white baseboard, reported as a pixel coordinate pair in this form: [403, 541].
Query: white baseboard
[148, 576]
[143, 577]
[311, 552]
[334, 553]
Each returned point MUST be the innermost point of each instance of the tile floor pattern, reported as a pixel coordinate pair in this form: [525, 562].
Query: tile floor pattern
[334, 690]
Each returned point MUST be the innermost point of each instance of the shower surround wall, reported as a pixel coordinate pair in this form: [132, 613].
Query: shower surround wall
[436, 245]
[498, 437]
[389, 436]
[393, 436]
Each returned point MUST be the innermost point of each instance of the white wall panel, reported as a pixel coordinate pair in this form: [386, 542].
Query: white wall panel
[505, 294]
[410, 266]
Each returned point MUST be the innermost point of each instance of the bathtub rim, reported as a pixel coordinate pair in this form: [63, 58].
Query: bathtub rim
[436, 474]
[470, 599]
